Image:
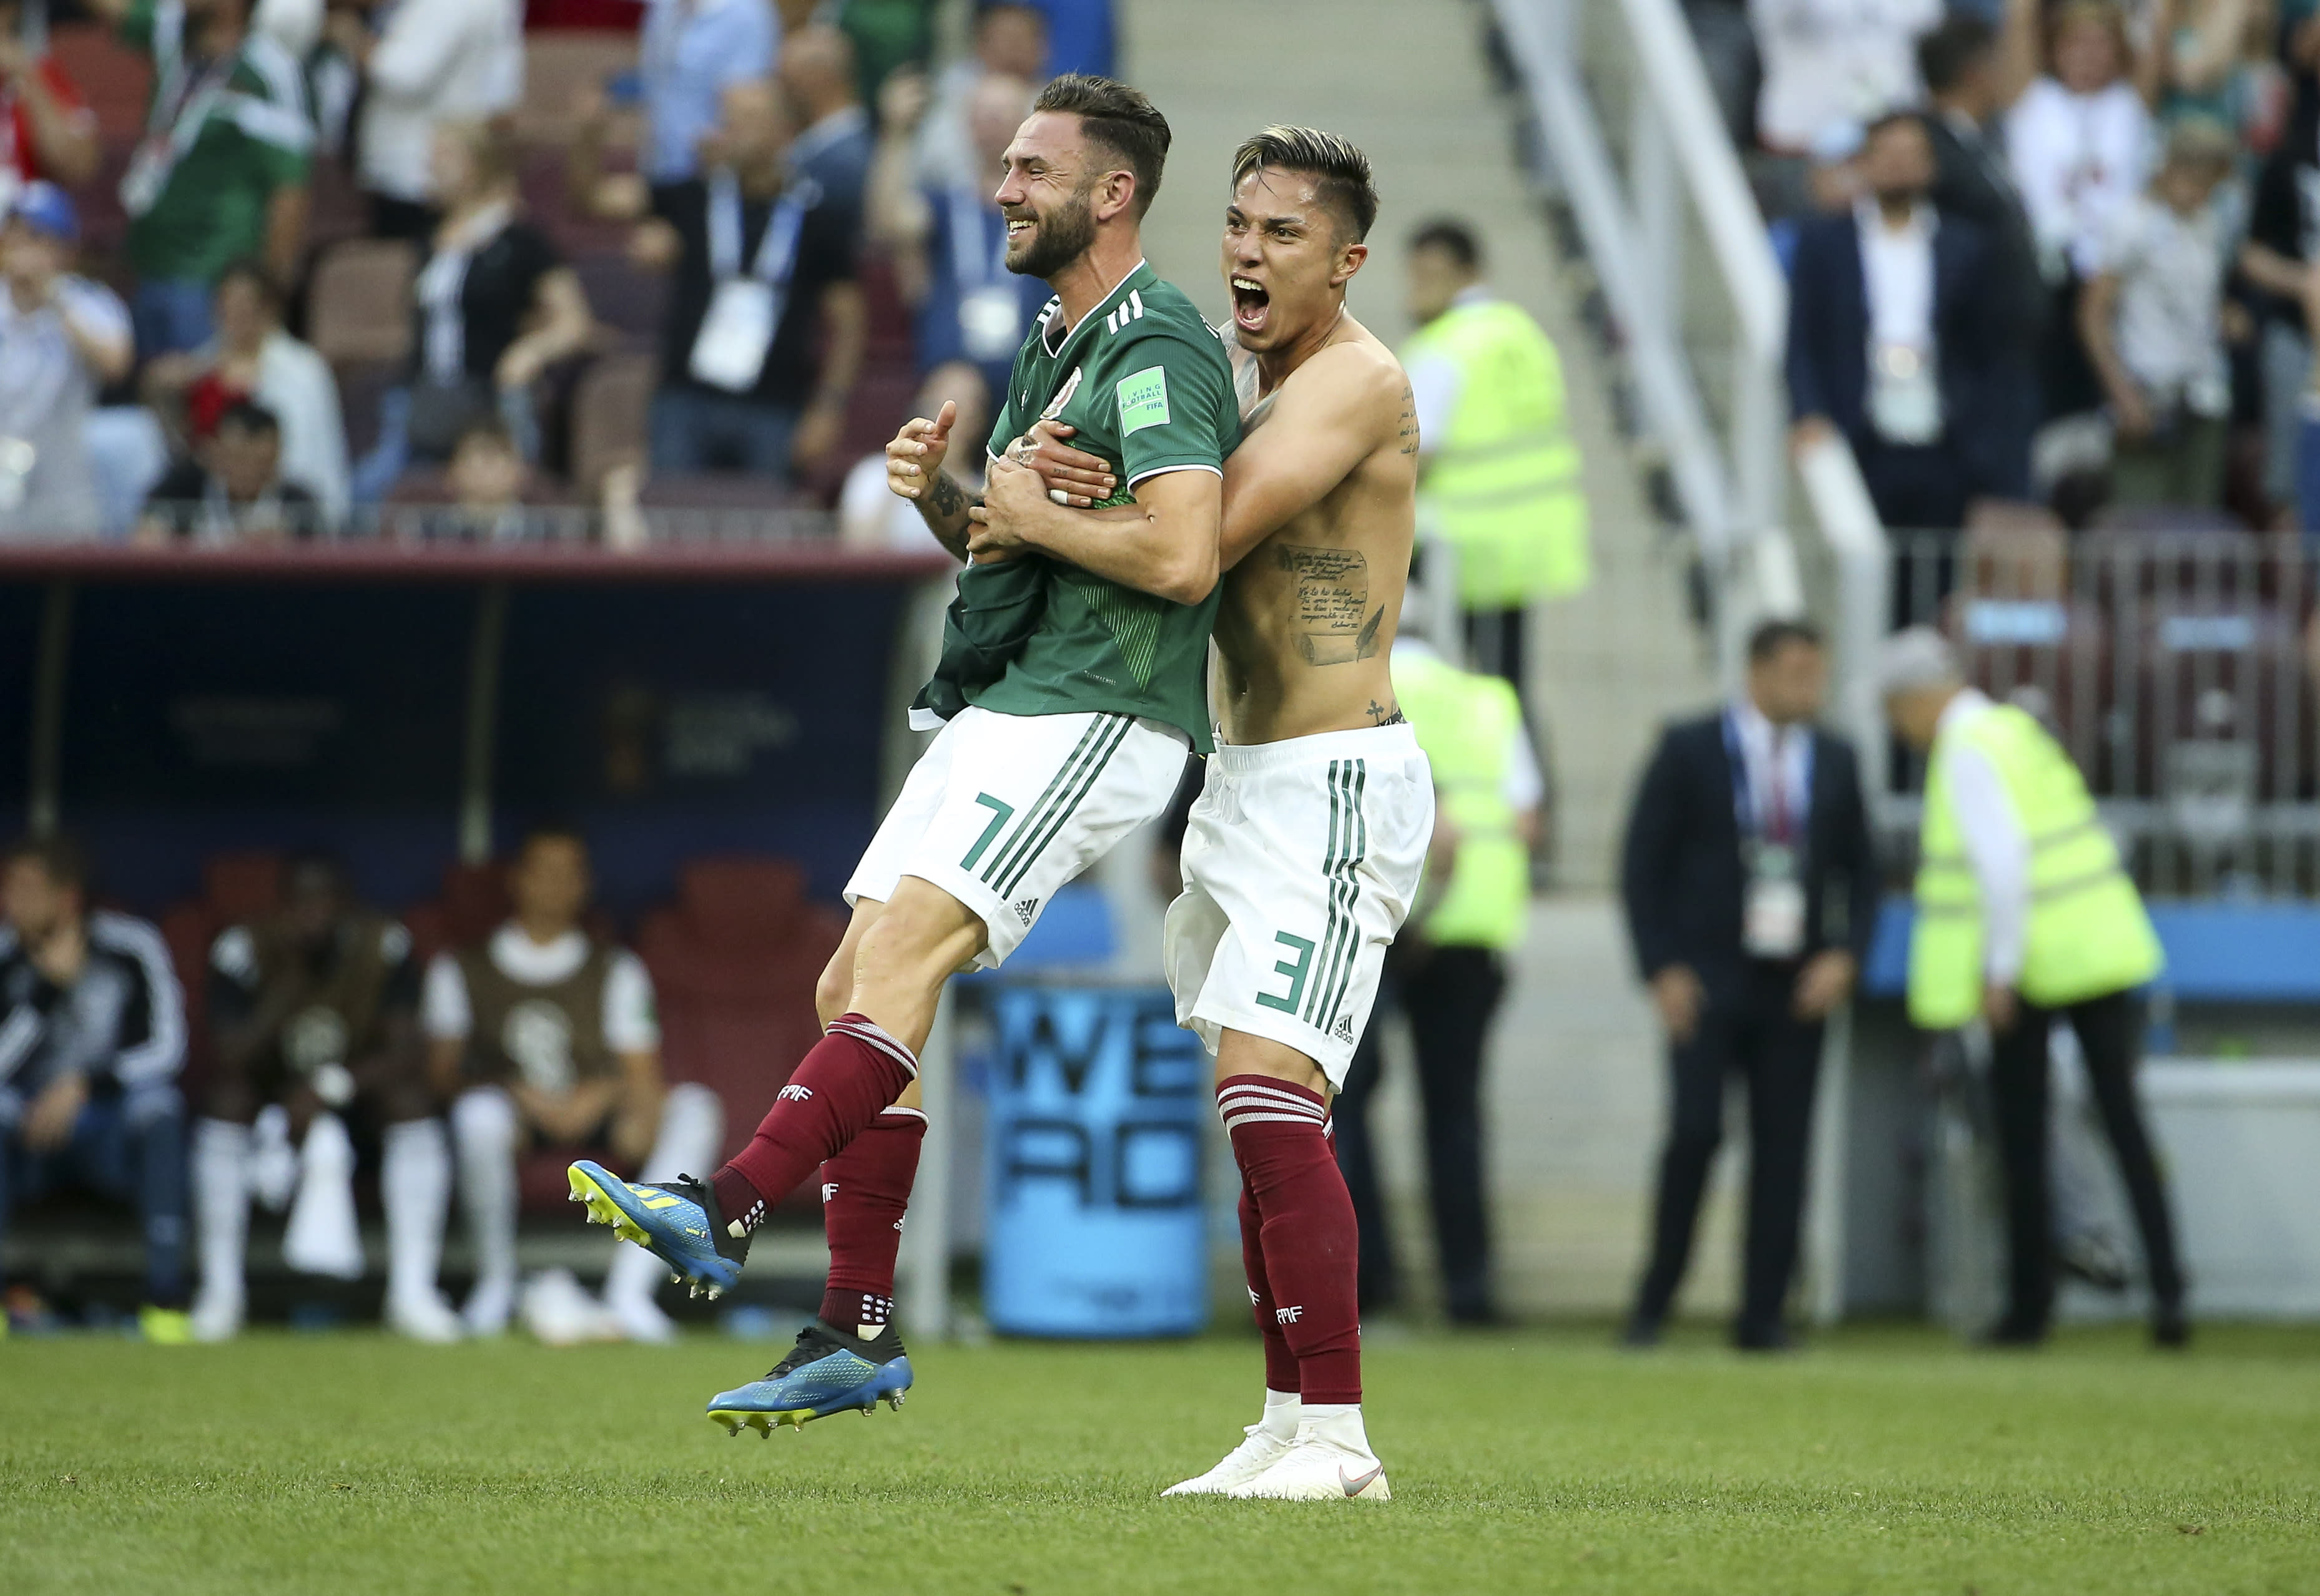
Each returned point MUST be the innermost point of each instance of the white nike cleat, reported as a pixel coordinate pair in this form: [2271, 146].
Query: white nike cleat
[490, 1305]
[217, 1316]
[1329, 1461]
[1243, 1463]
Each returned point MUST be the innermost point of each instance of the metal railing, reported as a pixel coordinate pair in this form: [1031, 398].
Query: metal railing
[1632, 137]
[2177, 668]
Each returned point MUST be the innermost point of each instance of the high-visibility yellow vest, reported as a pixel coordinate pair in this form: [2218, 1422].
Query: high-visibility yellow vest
[1503, 487]
[1466, 724]
[2087, 936]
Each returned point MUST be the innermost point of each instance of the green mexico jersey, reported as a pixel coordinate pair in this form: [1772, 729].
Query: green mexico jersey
[1146, 384]
[221, 137]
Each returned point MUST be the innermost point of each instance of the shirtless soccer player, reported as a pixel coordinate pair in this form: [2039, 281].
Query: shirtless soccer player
[1307, 843]
[1055, 758]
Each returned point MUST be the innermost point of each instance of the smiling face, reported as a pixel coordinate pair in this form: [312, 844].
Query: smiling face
[1049, 193]
[1286, 258]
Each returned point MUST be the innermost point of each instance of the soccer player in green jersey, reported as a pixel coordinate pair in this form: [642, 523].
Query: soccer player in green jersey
[1305, 850]
[1066, 736]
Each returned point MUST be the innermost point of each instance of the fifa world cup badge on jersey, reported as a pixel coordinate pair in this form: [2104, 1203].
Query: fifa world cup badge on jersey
[1143, 400]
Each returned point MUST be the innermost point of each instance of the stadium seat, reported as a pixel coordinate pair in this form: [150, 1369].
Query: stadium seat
[734, 963]
[238, 887]
[559, 64]
[2220, 717]
[116, 79]
[359, 303]
[2048, 653]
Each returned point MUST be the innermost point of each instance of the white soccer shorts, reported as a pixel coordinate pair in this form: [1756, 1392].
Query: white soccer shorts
[1001, 810]
[1301, 861]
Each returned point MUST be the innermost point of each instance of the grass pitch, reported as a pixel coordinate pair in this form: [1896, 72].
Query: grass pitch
[1883, 1461]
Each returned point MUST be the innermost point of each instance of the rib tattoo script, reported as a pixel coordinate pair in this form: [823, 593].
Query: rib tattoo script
[1333, 597]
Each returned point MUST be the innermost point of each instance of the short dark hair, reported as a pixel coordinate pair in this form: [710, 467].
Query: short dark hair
[984, 8]
[1127, 125]
[248, 415]
[63, 861]
[1454, 238]
[1946, 54]
[490, 429]
[1886, 121]
[1770, 637]
[550, 831]
[251, 270]
[1344, 183]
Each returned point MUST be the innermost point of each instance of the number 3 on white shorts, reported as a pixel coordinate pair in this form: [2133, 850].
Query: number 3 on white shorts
[1296, 971]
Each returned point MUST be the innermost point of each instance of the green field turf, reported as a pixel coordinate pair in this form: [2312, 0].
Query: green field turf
[1883, 1461]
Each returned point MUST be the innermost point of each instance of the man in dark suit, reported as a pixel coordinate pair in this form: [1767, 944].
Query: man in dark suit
[1966, 90]
[1751, 888]
[1890, 339]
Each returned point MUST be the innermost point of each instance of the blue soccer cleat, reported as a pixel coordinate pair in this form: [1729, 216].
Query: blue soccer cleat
[827, 1372]
[678, 1222]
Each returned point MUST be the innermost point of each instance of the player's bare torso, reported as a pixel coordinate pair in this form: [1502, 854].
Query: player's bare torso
[1307, 622]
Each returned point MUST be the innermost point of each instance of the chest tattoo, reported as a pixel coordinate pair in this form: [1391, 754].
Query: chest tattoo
[1332, 615]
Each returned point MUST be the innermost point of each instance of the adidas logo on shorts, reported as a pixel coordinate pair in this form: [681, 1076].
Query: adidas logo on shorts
[1026, 909]
[1344, 1031]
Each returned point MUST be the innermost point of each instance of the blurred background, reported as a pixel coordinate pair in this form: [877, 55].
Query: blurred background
[442, 699]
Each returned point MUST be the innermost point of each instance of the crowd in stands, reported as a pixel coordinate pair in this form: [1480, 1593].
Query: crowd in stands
[462, 269]
[273, 1043]
[2052, 250]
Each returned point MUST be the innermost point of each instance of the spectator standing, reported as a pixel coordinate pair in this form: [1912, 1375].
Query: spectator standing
[1498, 468]
[1009, 41]
[222, 169]
[2024, 913]
[833, 147]
[692, 52]
[1447, 971]
[492, 307]
[544, 1036]
[434, 61]
[2283, 239]
[765, 325]
[1888, 328]
[1750, 888]
[1829, 61]
[2153, 321]
[253, 358]
[1966, 86]
[2080, 142]
[62, 338]
[232, 491]
[91, 1038]
[315, 1016]
[46, 129]
[949, 246]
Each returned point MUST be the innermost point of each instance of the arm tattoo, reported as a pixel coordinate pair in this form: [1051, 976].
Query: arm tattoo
[1380, 714]
[1333, 597]
[1408, 420]
[944, 510]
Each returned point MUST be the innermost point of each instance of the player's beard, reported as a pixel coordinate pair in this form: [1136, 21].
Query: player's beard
[1057, 238]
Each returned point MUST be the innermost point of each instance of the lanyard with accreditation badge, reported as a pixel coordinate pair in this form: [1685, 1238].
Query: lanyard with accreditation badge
[1773, 910]
[745, 309]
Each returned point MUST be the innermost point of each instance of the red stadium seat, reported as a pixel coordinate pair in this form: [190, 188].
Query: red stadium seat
[359, 303]
[734, 963]
[610, 407]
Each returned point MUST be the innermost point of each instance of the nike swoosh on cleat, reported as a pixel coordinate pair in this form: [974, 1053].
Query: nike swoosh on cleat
[1356, 1487]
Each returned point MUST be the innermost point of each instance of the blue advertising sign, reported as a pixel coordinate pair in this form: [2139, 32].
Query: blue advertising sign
[1098, 1109]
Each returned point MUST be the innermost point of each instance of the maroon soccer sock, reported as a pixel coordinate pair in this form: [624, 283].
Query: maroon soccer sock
[1306, 1237]
[849, 1079]
[1280, 1362]
[864, 1191]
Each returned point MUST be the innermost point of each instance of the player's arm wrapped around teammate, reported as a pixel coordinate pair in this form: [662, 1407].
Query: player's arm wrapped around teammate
[998, 608]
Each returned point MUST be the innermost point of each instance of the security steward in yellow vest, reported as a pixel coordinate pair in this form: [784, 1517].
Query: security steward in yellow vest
[2024, 911]
[1750, 882]
[1499, 472]
[1447, 971]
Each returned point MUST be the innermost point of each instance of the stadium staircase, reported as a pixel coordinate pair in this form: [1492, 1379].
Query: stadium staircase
[1575, 1075]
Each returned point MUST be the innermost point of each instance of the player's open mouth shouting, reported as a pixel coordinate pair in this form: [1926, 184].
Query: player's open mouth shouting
[1251, 303]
